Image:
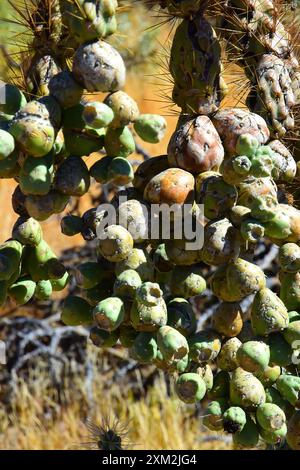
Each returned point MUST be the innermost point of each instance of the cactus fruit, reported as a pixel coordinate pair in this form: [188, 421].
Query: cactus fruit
[181, 316]
[196, 146]
[97, 115]
[253, 356]
[204, 346]
[27, 231]
[119, 142]
[124, 108]
[139, 261]
[115, 243]
[234, 419]
[109, 313]
[228, 319]
[190, 387]
[246, 390]
[292, 334]
[13, 99]
[270, 417]
[172, 344]
[274, 437]
[221, 242]
[172, 186]
[7, 144]
[247, 438]
[293, 431]
[289, 388]
[227, 358]
[71, 225]
[187, 282]
[144, 348]
[268, 313]
[150, 127]
[217, 196]
[213, 414]
[103, 338]
[99, 67]
[76, 311]
[127, 283]
[149, 310]
[290, 290]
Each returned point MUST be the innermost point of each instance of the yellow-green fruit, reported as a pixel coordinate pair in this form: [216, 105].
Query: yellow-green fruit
[293, 431]
[109, 313]
[7, 144]
[205, 373]
[187, 282]
[138, 259]
[134, 216]
[76, 311]
[172, 344]
[149, 310]
[289, 388]
[246, 390]
[115, 243]
[274, 437]
[292, 334]
[204, 346]
[190, 388]
[127, 283]
[268, 313]
[144, 348]
[103, 338]
[72, 177]
[253, 356]
[34, 135]
[12, 99]
[124, 108]
[43, 290]
[36, 175]
[290, 290]
[270, 417]
[217, 196]
[228, 319]
[42, 207]
[60, 284]
[269, 376]
[244, 278]
[213, 414]
[119, 142]
[227, 358]
[120, 171]
[9, 167]
[289, 257]
[97, 115]
[22, 290]
[234, 419]
[27, 231]
[178, 254]
[150, 127]
[65, 89]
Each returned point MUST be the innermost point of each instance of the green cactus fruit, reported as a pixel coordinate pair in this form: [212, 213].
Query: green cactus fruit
[119, 142]
[55, 117]
[64, 88]
[187, 282]
[144, 348]
[289, 257]
[124, 108]
[290, 290]
[195, 146]
[10, 258]
[247, 144]
[220, 387]
[76, 311]
[228, 319]
[36, 175]
[280, 350]
[127, 283]
[10, 167]
[279, 227]
[115, 243]
[293, 431]
[72, 177]
[71, 225]
[149, 311]
[83, 143]
[260, 195]
[213, 414]
[3, 292]
[274, 437]
[99, 170]
[148, 169]
[268, 313]
[273, 396]
[238, 214]
[270, 417]
[98, 66]
[204, 346]
[150, 127]
[289, 388]
[195, 66]
[120, 172]
[137, 259]
[160, 259]
[179, 255]
[97, 115]
[7, 144]
[95, 294]
[60, 284]
[217, 196]
[33, 130]
[89, 19]
[181, 316]
[37, 260]
[190, 387]
[127, 335]
[109, 313]
[27, 231]
[284, 165]
[292, 334]
[235, 170]
[221, 242]
[13, 99]
[246, 390]
[43, 290]
[103, 338]
[249, 436]
[253, 356]
[22, 290]
[89, 274]
[227, 357]
[42, 207]
[244, 278]
[234, 419]
[294, 316]
[231, 123]
[242, 166]
[172, 344]
[269, 376]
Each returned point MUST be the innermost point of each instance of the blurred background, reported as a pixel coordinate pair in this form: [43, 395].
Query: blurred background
[54, 378]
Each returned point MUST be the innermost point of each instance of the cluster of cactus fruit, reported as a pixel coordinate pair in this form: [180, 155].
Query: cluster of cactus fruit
[137, 292]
